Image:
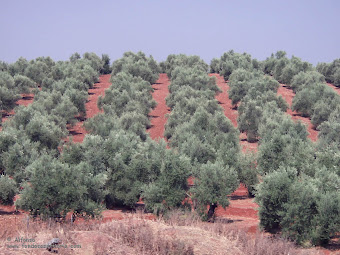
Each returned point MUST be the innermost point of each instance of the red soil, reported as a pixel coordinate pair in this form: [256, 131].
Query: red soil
[158, 115]
[223, 99]
[230, 112]
[337, 89]
[26, 99]
[11, 220]
[288, 95]
[242, 211]
[78, 132]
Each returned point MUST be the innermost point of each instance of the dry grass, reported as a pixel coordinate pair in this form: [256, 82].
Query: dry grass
[176, 233]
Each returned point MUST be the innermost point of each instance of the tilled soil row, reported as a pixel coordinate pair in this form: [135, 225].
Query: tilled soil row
[158, 115]
[242, 211]
[230, 112]
[78, 132]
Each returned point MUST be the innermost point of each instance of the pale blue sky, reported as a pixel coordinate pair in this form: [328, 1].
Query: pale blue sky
[307, 28]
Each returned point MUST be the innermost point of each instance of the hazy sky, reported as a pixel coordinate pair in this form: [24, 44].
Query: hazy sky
[305, 28]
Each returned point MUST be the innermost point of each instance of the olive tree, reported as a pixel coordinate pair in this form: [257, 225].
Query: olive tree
[57, 188]
[329, 70]
[231, 61]
[329, 130]
[271, 195]
[8, 92]
[181, 60]
[137, 65]
[106, 64]
[303, 79]
[37, 71]
[95, 62]
[23, 83]
[168, 190]
[213, 182]
[8, 190]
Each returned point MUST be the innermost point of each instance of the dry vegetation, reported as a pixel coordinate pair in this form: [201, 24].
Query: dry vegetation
[176, 234]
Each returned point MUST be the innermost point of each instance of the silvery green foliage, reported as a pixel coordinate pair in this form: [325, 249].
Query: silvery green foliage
[313, 98]
[57, 188]
[222, 178]
[272, 194]
[8, 190]
[183, 61]
[303, 79]
[329, 130]
[305, 209]
[295, 66]
[251, 110]
[330, 71]
[95, 61]
[138, 65]
[198, 129]
[230, 61]
[106, 69]
[126, 106]
[170, 185]
[336, 77]
[8, 94]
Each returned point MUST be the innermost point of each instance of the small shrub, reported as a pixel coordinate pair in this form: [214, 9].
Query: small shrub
[8, 190]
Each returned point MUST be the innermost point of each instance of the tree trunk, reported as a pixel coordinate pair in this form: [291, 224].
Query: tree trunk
[211, 212]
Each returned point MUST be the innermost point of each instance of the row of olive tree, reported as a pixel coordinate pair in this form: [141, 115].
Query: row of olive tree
[32, 137]
[119, 148]
[198, 129]
[253, 91]
[299, 194]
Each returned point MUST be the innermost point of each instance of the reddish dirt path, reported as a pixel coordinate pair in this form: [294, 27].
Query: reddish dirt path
[337, 89]
[242, 211]
[158, 118]
[230, 113]
[78, 132]
[288, 95]
[25, 100]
